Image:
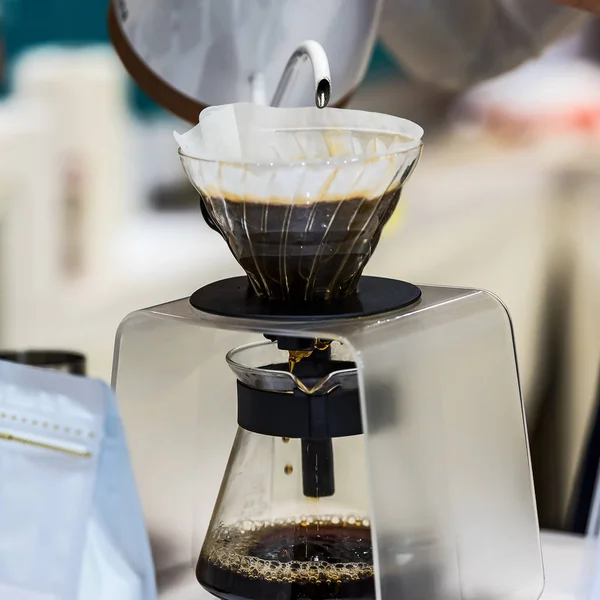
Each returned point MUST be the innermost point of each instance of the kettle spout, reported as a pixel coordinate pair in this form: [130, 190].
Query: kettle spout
[314, 52]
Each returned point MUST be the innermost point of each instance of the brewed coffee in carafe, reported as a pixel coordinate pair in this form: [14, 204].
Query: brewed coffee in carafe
[301, 197]
[322, 558]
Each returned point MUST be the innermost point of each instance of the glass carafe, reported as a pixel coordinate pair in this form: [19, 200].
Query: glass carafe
[292, 516]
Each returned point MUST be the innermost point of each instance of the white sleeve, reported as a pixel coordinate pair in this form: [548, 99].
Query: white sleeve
[455, 43]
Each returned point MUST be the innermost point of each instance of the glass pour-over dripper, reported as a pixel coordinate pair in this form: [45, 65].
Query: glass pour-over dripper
[301, 196]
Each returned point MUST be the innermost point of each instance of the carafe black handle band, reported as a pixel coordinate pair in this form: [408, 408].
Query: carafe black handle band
[299, 415]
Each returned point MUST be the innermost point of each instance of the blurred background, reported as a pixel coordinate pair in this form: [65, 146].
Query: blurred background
[97, 218]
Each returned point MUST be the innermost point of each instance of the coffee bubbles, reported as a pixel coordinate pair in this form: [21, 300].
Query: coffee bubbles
[316, 558]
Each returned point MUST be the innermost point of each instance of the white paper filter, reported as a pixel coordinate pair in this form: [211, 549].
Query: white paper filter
[297, 154]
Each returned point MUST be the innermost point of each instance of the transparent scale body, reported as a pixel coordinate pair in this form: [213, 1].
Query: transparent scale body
[441, 472]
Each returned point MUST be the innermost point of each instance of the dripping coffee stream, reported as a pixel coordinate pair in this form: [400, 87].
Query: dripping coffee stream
[295, 356]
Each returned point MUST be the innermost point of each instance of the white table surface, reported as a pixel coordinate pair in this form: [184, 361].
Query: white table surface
[563, 563]
[563, 560]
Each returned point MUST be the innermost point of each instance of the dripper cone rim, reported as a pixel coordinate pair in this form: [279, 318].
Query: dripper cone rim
[415, 143]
